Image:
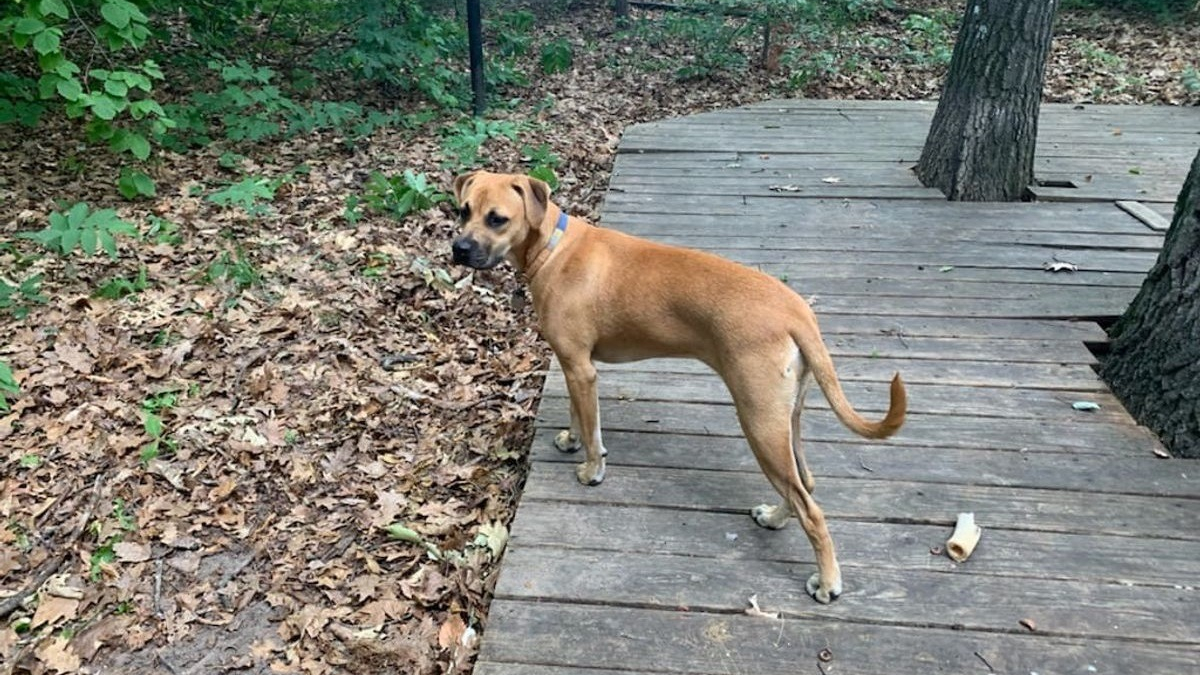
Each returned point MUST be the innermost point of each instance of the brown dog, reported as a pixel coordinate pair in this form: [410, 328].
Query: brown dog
[600, 294]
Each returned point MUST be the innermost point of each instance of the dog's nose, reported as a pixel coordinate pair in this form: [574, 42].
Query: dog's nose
[461, 248]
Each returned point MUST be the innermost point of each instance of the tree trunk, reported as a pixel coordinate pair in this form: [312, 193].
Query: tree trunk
[980, 145]
[1154, 364]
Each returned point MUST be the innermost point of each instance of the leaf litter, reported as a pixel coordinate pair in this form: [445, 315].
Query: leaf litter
[329, 428]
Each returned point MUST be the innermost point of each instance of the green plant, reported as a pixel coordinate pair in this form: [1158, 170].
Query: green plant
[400, 195]
[163, 231]
[929, 38]
[1190, 78]
[462, 141]
[106, 553]
[30, 461]
[119, 287]
[114, 101]
[236, 268]
[133, 184]
[82, 227]
[247, 194]
[160, 442]
[8, 386]
[556, 56]
[18, 300]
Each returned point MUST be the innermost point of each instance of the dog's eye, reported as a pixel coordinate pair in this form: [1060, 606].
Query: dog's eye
[496, 221]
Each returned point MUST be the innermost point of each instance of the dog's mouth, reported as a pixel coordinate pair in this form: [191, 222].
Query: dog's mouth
[475, 256]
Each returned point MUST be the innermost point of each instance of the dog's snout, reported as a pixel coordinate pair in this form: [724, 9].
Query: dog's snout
[462, 249]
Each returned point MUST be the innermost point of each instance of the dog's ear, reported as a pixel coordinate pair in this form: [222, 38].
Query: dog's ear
[461, 184]
[536, 194]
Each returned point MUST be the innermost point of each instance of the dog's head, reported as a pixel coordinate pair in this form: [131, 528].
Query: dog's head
[501, 216]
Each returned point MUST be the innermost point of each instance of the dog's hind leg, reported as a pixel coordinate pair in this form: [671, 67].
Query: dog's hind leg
[764, 409]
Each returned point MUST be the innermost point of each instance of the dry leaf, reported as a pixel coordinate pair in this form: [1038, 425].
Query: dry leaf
[131, 552]
[52, 609]
[755, 610]
[451, 632]
[58, 655]
[1060, 266]
[1029, 624]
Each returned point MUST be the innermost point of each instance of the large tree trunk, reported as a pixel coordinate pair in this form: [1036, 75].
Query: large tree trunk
[980, 145]
[1154, 364]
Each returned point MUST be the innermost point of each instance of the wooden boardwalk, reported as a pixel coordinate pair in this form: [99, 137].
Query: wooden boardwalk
[1090, 558]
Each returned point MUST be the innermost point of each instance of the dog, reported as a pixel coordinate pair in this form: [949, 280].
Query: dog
[601, 295]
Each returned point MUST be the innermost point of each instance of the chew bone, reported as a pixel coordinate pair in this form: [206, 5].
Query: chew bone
[966, 535]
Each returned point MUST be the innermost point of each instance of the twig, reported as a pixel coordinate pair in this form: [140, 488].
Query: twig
[985, 662]
[158, 574]
[864, 465]
[12, 602]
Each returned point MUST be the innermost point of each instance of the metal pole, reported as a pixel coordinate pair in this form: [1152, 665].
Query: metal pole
[475, 36]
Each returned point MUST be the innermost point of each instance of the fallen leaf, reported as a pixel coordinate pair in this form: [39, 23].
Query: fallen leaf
[785, 188]
[1159, 452]
[945, 268]
[451, 632]
[1029, 624]
[755, 610]
[1059, 266]
[831, 179]
[58, 656]
[131, 552]
[52, 609]
[495, 537]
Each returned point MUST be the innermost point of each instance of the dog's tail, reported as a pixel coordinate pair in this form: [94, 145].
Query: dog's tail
[816, 355]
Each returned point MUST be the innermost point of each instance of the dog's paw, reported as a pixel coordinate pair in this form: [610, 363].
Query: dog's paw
[771, 516]
[566, 441]
[590, 474]
[823, 594]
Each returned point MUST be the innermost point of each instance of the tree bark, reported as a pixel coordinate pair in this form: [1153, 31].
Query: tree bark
[1154, 363]
[981, 143]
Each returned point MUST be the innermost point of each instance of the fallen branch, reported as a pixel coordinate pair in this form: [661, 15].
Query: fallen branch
[12, 602]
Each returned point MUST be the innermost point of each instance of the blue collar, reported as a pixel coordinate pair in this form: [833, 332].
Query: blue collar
[559, 230]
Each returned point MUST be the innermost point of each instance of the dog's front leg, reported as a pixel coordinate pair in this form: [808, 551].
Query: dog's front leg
[585, 406]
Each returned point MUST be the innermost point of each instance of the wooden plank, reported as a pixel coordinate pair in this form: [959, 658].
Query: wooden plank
[1046, 406]
[880, 595]
[1140, 475]
[955, 372]
[922, 430]
[1145, 214]
[880, 346]
[555, 634]
[886, 501]
[904, 327]
[735, 538]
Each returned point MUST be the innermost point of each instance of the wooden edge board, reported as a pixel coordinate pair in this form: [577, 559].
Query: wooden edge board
[1145, 215]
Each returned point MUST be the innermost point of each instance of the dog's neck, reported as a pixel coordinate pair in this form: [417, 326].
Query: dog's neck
[541, 253]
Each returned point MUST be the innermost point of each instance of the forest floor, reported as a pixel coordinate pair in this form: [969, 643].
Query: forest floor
[197, 477]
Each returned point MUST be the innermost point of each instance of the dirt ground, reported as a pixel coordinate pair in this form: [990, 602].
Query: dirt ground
[344, 377]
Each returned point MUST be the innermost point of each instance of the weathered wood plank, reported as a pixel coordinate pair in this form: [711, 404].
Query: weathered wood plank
[919, 429]
[888, 501]
[880, 595]
[1142, 475]
[1146, 215]
[718, 644]
[904, 327]
[1045, 406]
[959, 372]
[1016, 554]
[933, 240]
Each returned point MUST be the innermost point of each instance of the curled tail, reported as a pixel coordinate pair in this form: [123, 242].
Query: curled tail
[816, 355]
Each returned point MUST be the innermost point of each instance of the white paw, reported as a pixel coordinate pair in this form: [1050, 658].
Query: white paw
[566, 441]
[590, 474]
[770, 516]
[823, 594]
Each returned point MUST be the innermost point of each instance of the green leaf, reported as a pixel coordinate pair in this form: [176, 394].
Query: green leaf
[29, 26]
[87, 240]
[133, 143]
[56, 7]
[116, 87]
[47, 41]
[116, 13]
[108, 243]
[76, 215]
[68, 241]
[70, 89]
[103, 107]
[153, 425]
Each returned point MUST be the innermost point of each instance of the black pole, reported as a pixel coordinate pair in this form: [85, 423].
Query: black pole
[475, 36]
